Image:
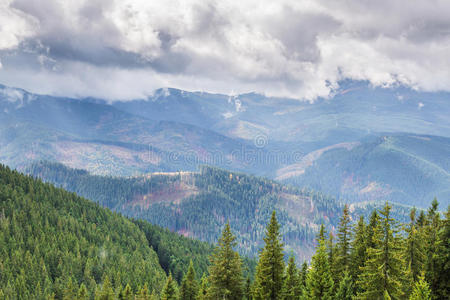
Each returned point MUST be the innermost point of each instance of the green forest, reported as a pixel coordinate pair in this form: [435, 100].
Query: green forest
[198, 204]
[57, 245]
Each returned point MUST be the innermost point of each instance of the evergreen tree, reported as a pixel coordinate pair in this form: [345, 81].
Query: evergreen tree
[106, 292]
[421, 290]
[127, 293]
[144, 293]
[345, 289]
[189, 286]
[203, 291]
[303, 275]
[358, 250]
[169, 291]
[225, 273]
[270, 268]
[331, 248]
[384, 272]
[70, 291]
[414, 251]
[291, 289]
[343, 245]
[432, 227]
[319, 281]
[442, 258]
[82, 293]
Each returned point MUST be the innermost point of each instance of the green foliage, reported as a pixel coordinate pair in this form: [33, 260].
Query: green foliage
[320, 282]
[225, 273]
[358, 254]
[53, 241]
[384, 271]
[345, 289]
[343, 245]
[421, 290]
[270, 268]
[189, 285]
[291, 289]
[170, 290]
[198, 204]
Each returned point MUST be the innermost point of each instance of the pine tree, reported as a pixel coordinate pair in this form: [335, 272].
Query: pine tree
[144, 293]
[319, 281]
[303, 275]
[107, 292]
[225, 279]
[414, 251]
[70, 291]
[291, 289]
[169, 291]
[83, 293]
[421, 290]
[127, 293]
[432, 227]
[358, 250]
[442, 258]
[343, 245]
[331, 248]
[270, 268]
[203, 291]
[384, 271]
[189, 286]
[345, 289]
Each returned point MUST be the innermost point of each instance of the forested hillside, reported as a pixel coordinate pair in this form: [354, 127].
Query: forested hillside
[56, 245]
[52, 240]
[199, 204]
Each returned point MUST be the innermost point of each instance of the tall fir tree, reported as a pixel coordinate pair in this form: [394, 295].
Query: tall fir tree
[270, 268]
[291, 289]
[320, 282]
[414, 250]
[442, 260]
[82, 293]
[384, 272]
[343, 244]
[106, 292]
[303, 275]
[431, 230]
[170, 290]
[358, 250]
[143, 294]
[126, 293]
[189, 286]
[331, 249]
[225, 273]
[203, 290]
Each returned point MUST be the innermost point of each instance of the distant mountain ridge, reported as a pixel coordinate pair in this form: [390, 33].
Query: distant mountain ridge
[175, 130]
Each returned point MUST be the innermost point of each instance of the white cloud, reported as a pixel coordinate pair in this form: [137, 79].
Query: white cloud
[126, 49]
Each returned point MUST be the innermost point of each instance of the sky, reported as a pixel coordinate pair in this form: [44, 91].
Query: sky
[125, 49]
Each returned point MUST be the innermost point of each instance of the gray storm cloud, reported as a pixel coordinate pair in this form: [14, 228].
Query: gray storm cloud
[302, 49]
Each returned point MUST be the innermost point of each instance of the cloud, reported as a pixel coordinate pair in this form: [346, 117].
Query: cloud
[302, 49]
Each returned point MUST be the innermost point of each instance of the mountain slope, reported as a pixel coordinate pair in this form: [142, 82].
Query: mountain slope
[404, 168]
[49, 235]
[198, 204]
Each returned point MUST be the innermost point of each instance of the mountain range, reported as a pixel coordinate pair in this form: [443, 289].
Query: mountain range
[362, 144]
